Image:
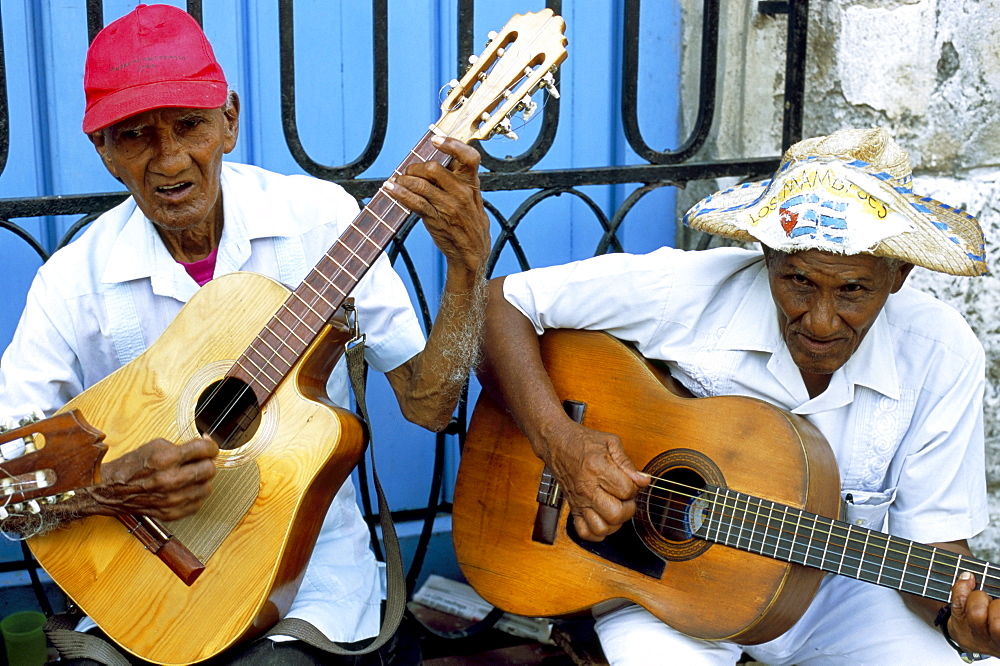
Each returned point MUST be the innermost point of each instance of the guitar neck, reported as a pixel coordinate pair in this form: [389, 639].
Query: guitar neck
[793, 535]
[299, 320]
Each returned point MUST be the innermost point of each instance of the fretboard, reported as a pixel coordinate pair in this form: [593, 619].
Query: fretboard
[792, 535]
[300, 318]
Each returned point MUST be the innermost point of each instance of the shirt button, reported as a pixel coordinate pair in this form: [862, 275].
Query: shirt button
[721, 332]
[859, 521]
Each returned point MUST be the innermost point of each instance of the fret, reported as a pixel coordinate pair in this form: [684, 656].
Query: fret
[256, 373]
[745, 527]
[930, 569]
[758, 527]
[716, 513]
[341, 267]
[840, 540]
[799, 549]
[826, 546]
[888, 573]
[279, 348]
[849, 558]
[289, 331]
[732, 522]
[906, 566]
[781, 540]
[319, 294]
[915, 577]
[769, 530]
[278, 371]
[305, 323]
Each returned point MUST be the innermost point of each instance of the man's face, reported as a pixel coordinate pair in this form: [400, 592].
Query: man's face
[171, 161]
[827, 303]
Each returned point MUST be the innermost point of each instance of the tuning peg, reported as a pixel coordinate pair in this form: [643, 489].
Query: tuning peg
[527, 107]
[490, 36]
[503, 127]
[549, 82]
[3, 513]
[473, 59]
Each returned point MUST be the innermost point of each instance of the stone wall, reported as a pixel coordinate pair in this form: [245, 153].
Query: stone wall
[926, 70]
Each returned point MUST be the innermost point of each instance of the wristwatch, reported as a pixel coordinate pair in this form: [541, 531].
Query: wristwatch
[968, 656]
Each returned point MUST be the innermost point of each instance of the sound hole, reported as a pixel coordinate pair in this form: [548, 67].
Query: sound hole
[227, 411]
[668, 512]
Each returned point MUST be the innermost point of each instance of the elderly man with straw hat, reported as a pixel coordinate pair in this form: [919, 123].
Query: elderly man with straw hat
[819, 324]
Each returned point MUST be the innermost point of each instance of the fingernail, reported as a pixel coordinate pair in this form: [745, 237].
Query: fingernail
[965, 575]
[389, 186]
[437, 139]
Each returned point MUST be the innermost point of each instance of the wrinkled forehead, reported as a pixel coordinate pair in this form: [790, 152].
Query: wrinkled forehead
[167, 116]
[850, 267]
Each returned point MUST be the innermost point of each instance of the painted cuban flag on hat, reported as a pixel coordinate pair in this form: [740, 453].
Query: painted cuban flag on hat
[822, 205]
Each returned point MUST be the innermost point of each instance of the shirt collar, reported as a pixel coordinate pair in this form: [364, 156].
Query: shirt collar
[754, 327]
[138, 252]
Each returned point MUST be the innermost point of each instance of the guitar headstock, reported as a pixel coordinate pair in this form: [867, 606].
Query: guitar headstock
[517, 62]
[62, 453]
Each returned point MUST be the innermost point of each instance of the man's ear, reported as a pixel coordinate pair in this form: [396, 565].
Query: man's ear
[901, 274]
[100, 141]
[232, 113]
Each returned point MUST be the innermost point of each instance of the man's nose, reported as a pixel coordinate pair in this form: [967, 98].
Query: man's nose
[169, 151]
[822, 318]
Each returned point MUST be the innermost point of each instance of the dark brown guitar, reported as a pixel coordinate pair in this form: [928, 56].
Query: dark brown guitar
[61, 454]
[729, 542]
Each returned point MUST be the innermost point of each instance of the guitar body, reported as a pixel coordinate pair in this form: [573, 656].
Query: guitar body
[704, 590]
[287, 473]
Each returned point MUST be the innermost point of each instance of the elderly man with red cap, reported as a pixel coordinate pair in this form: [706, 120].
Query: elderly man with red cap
[821, 325]
[161, 116]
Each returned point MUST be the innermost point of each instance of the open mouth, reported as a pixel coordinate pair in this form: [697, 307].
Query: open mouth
[174, 190]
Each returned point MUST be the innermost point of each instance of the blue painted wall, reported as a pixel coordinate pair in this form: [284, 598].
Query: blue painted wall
[45, 43]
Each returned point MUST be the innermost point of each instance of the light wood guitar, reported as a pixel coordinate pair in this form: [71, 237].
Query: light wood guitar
[183, 592]
[729, 542]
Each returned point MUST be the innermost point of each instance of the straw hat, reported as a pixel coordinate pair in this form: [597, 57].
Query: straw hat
[849, 193]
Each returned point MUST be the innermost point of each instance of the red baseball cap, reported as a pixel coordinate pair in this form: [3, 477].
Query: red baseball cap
[153, 57]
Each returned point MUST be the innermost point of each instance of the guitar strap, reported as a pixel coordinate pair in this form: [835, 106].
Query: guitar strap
[396, 580]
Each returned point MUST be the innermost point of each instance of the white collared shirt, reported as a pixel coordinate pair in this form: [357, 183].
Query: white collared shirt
[103, 299]
[903, 415]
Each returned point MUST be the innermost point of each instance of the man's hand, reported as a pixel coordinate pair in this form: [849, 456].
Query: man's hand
[449, 202]
[159, 479]
[975, 617]
[598, 478]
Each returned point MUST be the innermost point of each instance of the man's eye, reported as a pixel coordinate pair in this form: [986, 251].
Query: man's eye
[130, 134]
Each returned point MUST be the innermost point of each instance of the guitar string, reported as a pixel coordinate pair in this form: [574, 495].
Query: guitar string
[234, 402]
[849, 528]
[948, 558]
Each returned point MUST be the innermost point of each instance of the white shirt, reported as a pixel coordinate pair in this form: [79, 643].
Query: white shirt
[903, 415]
[103, 299]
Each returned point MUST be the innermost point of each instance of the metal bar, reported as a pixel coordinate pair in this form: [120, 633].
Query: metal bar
[706, 89]
[795, 71]
[4, 106]
[380, 88]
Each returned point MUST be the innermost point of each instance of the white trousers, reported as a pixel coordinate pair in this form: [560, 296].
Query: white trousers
[849, 622]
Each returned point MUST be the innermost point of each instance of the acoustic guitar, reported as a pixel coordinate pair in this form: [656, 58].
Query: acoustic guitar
[729, 541]
[182, 592]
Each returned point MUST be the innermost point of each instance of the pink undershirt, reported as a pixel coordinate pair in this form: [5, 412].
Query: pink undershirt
[201, 271]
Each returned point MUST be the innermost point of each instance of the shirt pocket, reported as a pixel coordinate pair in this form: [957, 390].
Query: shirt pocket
[866, 509]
